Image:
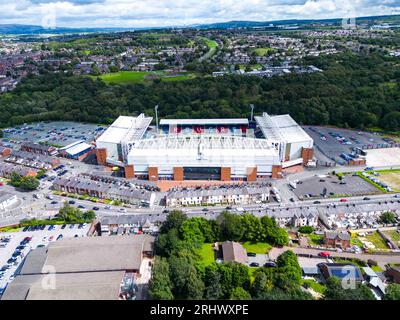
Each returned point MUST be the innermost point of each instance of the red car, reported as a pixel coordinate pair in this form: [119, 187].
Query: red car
[343, 200]
[324, 254]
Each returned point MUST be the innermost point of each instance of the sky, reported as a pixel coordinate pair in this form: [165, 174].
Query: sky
[161, 13]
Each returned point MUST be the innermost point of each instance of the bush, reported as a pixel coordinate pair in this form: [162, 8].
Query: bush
[306, 229]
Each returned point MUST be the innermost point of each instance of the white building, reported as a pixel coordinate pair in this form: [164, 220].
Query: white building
[7, 200]
[286, 136]
[218, 195]
[121, 135]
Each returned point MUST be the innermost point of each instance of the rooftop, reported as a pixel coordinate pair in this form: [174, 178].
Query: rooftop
[233, 251]
[78, 148]
[203, 122]
[126, 129]
[281, 128]
[69, 286]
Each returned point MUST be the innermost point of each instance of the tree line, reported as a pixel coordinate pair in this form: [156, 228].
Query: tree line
[355, 90]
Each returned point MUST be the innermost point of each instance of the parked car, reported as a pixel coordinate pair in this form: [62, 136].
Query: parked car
[254, 264]
[270, 264]
[251, 254]
[324, 254]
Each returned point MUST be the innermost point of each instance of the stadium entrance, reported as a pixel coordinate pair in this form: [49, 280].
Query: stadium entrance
[202, 173]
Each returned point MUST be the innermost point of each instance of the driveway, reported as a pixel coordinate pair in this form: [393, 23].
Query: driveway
[382, 260]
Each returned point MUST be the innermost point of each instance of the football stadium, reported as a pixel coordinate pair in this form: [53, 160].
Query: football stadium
[204, 149]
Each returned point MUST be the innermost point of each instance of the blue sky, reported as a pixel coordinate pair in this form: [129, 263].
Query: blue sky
[150, 13]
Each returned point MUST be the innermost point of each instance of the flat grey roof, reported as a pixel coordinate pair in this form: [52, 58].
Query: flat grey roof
[34, 262]
[98, 253]
[70, 286]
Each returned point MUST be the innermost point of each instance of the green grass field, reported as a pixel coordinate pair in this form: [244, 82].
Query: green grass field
[377, 240]
[263, 51]
[258, 247]
[140, 77]
[206, 253]
[316, 286]
[393, 234]
[316, 239]
[212, 45]
[123, 77]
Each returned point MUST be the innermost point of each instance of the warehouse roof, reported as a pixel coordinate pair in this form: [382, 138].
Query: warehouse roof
[203, 122]
[98, 253]
[78, 148]
[69, 286]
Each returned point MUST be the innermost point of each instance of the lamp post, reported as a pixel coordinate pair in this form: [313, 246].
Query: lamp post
[156, 109]
[252, 112]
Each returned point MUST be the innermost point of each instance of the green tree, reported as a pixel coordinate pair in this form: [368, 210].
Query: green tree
[212, 280]
[231, 226]
[253, 227]
[335, 291]
[392, 292]
[289, 273]
[174, 220]
[25, 183]
[388, 217]
[240, 294]
[160, 283]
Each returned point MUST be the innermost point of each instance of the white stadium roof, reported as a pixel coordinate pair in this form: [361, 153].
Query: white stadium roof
[202, 122]
[202, 151]
[281, 128]
[126, 129]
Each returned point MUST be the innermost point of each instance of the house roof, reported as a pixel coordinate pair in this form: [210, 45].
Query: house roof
[233, 251]
[343, 235]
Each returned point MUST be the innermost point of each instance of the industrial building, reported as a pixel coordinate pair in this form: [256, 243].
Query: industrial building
[89, 268]
[204, 149]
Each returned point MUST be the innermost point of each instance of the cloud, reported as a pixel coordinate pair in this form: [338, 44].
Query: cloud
[140, 13]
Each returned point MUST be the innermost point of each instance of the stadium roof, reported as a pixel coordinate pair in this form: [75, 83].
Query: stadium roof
[281, 128]
[126, 129]
[202, 151]
[202, 122]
